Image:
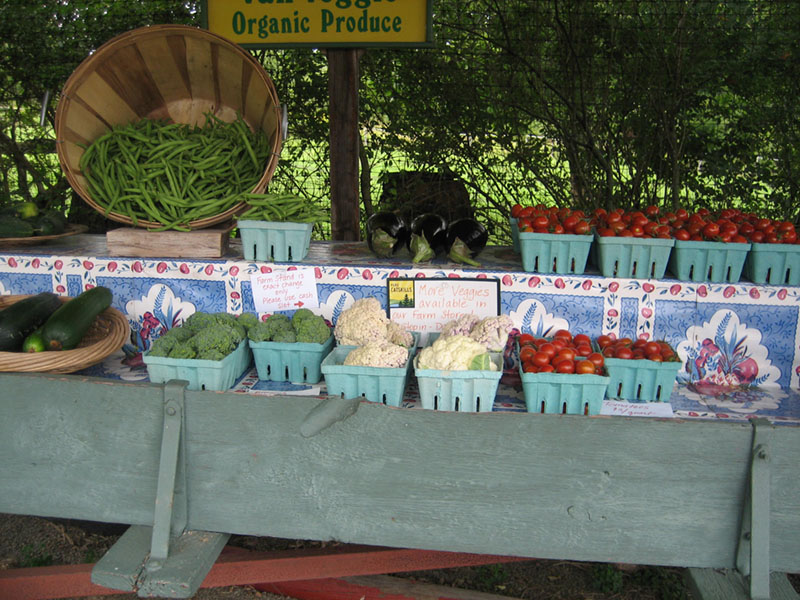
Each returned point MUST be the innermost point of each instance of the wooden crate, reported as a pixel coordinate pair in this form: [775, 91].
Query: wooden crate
[211, 242]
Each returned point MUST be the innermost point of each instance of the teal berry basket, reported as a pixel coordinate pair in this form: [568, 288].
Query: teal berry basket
[560, 253]
[514, 234]
[716, 262]
[459, 391]
[774, 264]
[297, 362]
[274, 241]
[564, 393]
[385, 385]
[629, 257]
[641, 380]
[209, 375]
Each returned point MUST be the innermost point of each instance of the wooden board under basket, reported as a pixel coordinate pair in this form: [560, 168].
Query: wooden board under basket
[211, 242]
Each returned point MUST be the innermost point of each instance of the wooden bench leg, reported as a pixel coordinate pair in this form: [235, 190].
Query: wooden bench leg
[724, 584]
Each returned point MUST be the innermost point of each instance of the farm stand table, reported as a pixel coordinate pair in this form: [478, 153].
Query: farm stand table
[716, 487]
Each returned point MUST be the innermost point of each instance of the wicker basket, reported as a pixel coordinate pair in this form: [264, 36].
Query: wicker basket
[173, 72]
[106, 335]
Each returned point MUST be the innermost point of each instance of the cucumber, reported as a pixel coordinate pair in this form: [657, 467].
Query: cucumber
[34, 342]
[66, 326]
[23, 317]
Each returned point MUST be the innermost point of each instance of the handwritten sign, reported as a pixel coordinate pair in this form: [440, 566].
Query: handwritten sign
[425, 305]
[619, 408]
[284, 290]
[321, 23]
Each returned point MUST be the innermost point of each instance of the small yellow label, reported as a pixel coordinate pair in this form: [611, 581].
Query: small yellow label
[320, 22]
[401, 293]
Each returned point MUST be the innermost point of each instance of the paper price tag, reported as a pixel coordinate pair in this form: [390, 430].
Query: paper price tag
[284, 290]
[620, 408]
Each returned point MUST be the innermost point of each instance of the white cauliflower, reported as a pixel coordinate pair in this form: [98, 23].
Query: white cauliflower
[455, 353]
[379, 353]
[461, 325]
[493, 332]
[397, 335]
[365, 321]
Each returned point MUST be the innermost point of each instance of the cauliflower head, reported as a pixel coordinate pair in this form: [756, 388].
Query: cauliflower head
[378, 353]
[493, 332]
[455, 353]
[364, 322]
[397, 335]
[462, 325]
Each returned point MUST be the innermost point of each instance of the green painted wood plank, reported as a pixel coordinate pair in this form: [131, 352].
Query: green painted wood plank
[552, 486]
[722, 584]
[121, 567]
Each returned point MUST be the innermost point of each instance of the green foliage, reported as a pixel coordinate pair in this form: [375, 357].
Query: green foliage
[582, 104]
[35, 557]
[607, 578]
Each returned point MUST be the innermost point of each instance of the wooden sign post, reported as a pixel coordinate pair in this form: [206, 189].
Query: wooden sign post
[343, 27]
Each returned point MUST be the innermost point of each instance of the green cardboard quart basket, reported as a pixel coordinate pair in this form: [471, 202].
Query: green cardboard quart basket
[716, 262]
[210, 375]
[459, 391]
[629, 257]
[385, 385]
[564, 393]
[641, 380]
[560, 253]
[297, 362]
[274, 241]
[775, 264]
[514, 234]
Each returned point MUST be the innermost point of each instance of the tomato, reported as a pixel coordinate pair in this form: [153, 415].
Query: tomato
[581, 228]
[681, 234]
[711, 230]
[583, 350]
[515, 210]
[526, 353]
[585, 367]
[529, 368]
[604, 340]
[652, 348]
[581, 338]
[539, 359]
[565, 354]
[623, 352]
[549, 349]
[597, 358]
[656, 357]
[540, 221]
[548, 368]
[606, 232]
[565, 366]
[525, 339]
[563, 334]
[570, 222]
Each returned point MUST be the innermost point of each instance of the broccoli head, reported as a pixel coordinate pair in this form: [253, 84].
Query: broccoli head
[216, 339]
[285, 336]
[198, 320]
[312, 330]
[247, 320]
[300, 315]
[183, 350]
[161, 346]
[274, 325]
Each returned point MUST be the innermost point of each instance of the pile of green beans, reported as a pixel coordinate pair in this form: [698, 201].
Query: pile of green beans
[282, 207]
[173, 173]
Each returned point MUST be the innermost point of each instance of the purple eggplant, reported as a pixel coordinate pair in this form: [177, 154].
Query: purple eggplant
[466, 239]
[428, 237]
[386, 233]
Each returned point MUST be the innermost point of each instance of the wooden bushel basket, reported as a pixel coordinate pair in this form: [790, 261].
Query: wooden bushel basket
[174, 72]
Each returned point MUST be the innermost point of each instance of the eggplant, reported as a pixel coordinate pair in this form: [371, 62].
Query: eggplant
[428, 236]
[466, 239]
[386, 233]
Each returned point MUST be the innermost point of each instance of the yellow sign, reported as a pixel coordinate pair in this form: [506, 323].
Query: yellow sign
[320, 23]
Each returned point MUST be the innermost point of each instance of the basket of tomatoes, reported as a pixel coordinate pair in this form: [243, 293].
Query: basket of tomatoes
[562, 374]
[640, 370]
[551, 239]
[774, 255]
[634, 244]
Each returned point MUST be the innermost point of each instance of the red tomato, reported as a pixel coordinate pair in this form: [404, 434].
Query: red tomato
[652, 348]
[548, 368]
[583, 350]
[529, 368]
[526, 353]
[541, 359]
[515, 210]
[597, 358]
[525, 339]
[549, 349]
[710, 231]
[565, 354]
[656, 357]
[563, 334]
[585, 367]
[565, 366]
[581, 338]
[623, 352]
[581, 228]
[604, 340]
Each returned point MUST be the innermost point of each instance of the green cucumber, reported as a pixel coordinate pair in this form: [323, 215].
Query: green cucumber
[66, 326]
[23, 317]
[34, 342]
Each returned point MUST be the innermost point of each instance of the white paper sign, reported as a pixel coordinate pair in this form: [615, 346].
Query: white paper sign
[425, 305]
[618, 408]
[284, 290]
